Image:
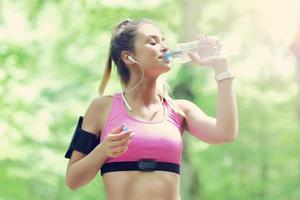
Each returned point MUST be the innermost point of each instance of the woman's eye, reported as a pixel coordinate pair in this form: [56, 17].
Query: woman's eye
[152, 42]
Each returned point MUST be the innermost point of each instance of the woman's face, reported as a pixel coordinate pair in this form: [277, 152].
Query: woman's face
[149, 49]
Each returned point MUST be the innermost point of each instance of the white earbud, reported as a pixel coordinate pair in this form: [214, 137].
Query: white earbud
[131, 59]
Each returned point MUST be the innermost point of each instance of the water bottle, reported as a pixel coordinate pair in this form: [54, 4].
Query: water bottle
[203, 49]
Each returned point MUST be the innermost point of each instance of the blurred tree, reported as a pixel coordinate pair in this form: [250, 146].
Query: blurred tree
[52, 55]
[295, 47]
[190, 10]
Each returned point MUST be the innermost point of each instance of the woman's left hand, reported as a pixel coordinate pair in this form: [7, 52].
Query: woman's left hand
[218, 63]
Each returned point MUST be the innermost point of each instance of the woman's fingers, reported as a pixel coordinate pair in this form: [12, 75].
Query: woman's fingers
[119, 150]
[120, 128]
[206, 61]
[121, 142]
[204, 39]
[209, 50]
[118, 141]
[196, 59]
[201, 36]
[120, 136]
[117, 129]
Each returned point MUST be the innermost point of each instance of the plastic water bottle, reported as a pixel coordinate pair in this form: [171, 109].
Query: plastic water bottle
[203, 49]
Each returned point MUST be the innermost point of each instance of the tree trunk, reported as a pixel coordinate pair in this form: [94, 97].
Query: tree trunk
[190, 184]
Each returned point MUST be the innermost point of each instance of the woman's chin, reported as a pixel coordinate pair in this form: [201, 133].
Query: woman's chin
[167, 68]
[164, 66]
[166, 63]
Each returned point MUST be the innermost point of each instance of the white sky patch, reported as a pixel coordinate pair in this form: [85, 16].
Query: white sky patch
[16, 27]
[28, 93]
[15, 24]
[231, 45]
[279, 18]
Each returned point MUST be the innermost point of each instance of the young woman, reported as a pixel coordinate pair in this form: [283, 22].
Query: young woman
[141, 128]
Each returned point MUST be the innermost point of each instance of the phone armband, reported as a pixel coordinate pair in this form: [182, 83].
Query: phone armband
[82, 140]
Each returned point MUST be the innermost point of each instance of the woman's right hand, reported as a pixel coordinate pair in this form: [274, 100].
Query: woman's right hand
[117, 141]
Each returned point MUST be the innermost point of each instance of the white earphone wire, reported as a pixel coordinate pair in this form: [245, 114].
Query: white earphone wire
[128, 90]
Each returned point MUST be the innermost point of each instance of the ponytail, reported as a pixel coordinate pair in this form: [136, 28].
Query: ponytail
[106, 75]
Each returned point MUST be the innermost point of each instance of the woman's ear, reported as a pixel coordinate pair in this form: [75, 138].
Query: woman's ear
[127, 59]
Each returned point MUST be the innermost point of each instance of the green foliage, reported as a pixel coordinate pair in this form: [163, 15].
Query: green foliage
[52, 56]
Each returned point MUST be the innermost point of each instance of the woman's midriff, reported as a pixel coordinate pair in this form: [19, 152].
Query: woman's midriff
[137, 185]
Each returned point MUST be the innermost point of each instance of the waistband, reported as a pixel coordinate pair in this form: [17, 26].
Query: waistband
[141, 165]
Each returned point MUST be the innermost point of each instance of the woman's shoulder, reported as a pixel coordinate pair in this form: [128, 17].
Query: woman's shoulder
[183, 104]
[178, 105]
[99, 104]
[187, 106]
[102, 101]
[97, 113]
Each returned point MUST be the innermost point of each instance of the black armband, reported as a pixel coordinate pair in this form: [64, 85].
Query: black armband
[82, 141]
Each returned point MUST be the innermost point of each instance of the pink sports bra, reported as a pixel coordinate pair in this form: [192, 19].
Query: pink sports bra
[159, 141]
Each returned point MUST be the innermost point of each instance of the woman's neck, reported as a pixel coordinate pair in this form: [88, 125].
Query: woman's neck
[146, 94]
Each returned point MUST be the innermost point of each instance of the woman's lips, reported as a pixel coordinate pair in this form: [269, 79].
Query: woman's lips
[164, 59]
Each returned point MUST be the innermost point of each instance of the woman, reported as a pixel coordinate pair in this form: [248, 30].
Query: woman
[141, 128]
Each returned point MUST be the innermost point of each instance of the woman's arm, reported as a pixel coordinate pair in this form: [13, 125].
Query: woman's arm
[224, 127]
[83, 168]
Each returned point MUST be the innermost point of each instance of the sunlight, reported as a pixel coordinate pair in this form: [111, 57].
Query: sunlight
[279, 19]
[15, 25]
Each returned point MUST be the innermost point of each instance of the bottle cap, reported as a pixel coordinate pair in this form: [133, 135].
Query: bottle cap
[167, 56]
[125, 128]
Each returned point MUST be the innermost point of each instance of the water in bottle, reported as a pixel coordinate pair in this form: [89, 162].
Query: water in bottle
[203, 49]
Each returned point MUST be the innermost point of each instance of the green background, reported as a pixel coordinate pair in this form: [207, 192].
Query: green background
[52, 56]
